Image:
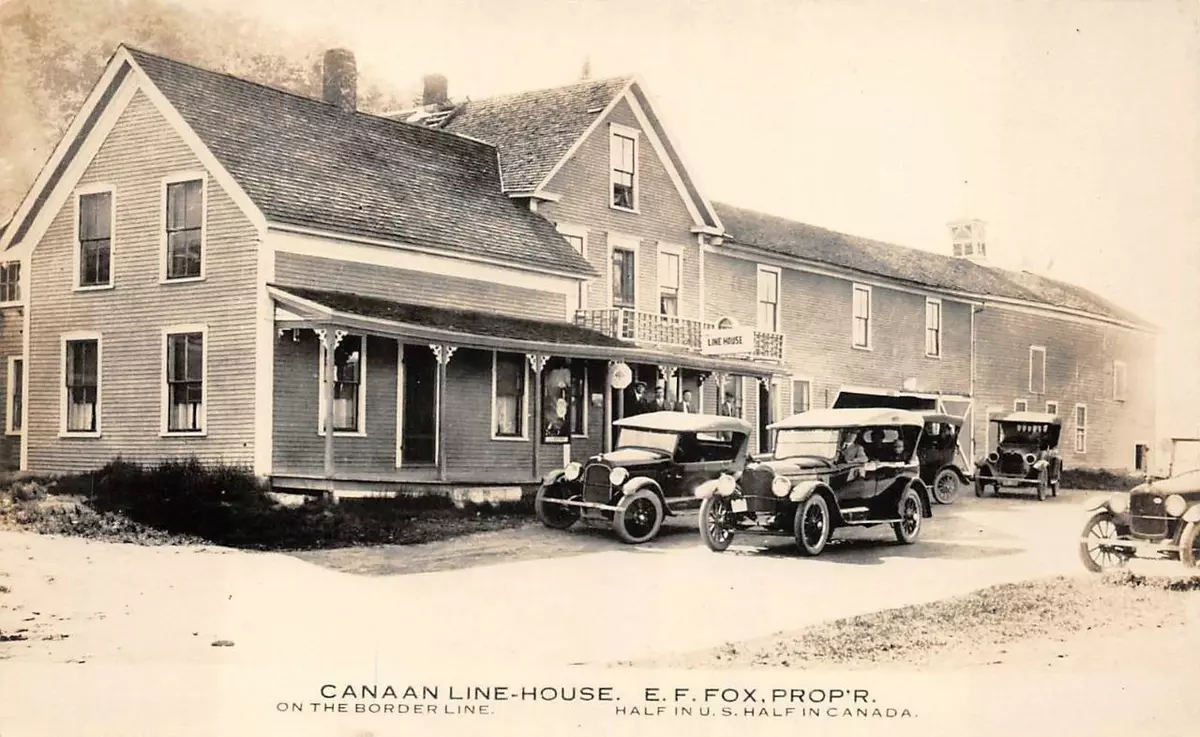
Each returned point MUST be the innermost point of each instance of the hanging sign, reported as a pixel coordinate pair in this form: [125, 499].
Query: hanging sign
[620, 375]
[725, 341]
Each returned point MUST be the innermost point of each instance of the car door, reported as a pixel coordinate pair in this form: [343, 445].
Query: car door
[853, 480]
[698, 458]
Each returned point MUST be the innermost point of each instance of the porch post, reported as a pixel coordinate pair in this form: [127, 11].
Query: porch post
[537, 361]
[442, 354]
[608, 406]
[329, 338]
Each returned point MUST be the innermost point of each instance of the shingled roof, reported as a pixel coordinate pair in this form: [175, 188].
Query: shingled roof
[799, 240]
[534, 130]
[304, 162]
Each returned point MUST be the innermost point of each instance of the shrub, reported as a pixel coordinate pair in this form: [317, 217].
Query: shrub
[1096, 480]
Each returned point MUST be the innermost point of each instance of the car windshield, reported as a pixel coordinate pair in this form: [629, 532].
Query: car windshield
[807, 442]
[633, 437]
[1023, 433]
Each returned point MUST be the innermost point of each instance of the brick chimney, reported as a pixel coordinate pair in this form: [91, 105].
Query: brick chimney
[968, 239]
[437, 90]
[340, 82]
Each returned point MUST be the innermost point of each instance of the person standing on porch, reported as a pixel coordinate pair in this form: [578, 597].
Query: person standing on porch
[685, 404]
[640, 401]
[659, 403]
[728, 408]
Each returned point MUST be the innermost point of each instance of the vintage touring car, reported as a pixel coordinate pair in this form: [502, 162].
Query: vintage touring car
[1158, 519]
[937, 453]
[1026, 454]
[653, 470]
[829, 468]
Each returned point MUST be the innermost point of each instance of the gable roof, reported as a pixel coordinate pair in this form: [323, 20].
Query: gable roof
[794, 239]
[306, 163]
[535, 130]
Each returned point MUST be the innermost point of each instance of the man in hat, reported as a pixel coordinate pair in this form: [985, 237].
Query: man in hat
[639, 399]
[685, 404]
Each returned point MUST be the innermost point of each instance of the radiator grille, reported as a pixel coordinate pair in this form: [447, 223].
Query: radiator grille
[596, 487]
[1012, 463]
[756, 485]
[1148, 518]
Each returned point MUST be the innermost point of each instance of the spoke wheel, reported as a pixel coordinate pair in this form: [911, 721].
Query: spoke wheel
[1189, 545]
[554, 516]
[716, 529]
[811, 526]
[639, 517]
[908, 529]
[1098, 551]
[945, 486]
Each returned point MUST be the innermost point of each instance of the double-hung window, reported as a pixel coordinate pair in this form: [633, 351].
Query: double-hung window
[1037, 369]
[768, 299]
[16, 395]
[933, 327]
[624, 273]
[668, 282]
[1080, 428]
[510, 395]
[81, 385]
[185, 229]
[623, 162]
[10, 281]
[577, 237]
[95, 239]
[861, 327]
[801, 395]
[349, 378]
[185, 381]
[1120, 380]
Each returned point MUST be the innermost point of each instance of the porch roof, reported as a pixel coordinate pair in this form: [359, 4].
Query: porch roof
[463, 328]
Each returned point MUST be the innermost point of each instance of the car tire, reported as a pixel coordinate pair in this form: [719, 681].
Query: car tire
[1104, 524]
[554, 516]
[910, 511]
[945, 486]
[714, 528]
[1189, 545]
[811, 526]
[638, 517]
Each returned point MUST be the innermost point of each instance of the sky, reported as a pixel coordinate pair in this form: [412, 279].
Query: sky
[1071, 128]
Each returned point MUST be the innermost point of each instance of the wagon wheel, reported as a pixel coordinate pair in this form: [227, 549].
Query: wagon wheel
[1097, 550]
[945, 486]
[811, 526]
[715, 526]
[1189, 545]
[638, 517]
[554, 516]
[908, 529]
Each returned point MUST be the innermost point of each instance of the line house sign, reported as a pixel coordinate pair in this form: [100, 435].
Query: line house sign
[727, 341]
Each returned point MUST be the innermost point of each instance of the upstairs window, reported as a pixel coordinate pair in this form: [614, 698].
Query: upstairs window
[933, 327]
[768, 299]
[10, 281]
[185, 382]
[861, 335]
[185, 218]
[1080, 428]
[95, 239]
[623, 277]
[1020, 405]
[1120, 380]
[1052, 408]
[801, 396]
[668, 282]
[1037, 369]
[623, 165]
[578, 241]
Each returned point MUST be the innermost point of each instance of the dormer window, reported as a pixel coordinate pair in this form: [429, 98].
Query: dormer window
[623, 145]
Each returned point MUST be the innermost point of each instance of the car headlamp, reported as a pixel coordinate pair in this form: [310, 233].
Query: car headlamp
[1119, 503]
[1030, 458]
[618, 475]
[572, 471]
[993, 456]
[1176, 505]
[726, 485]
[781, 486]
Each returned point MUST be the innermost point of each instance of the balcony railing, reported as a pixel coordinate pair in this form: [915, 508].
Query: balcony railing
[666, 330]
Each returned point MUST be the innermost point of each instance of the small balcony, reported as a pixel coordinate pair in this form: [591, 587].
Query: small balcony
[651, 328]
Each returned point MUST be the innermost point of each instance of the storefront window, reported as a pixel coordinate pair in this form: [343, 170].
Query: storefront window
[564, 400]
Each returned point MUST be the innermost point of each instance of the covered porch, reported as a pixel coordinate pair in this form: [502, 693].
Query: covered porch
[428, 399]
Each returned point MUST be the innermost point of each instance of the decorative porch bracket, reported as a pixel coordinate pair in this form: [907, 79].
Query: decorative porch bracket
[537, 362]
[442, 353]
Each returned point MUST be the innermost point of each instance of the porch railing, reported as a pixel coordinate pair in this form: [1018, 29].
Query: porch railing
[652, 328]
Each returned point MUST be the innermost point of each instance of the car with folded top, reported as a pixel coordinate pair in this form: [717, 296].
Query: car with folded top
[1025, 457]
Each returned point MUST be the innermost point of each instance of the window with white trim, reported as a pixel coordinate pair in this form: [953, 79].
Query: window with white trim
[768, 299]
[10, 281]
[1120, 380]
[624, 272]
[623, 168]
[1037, 369]
[861, 337]
[14, 406]
[1020, 405]
[95, 239]
[1052, 408]
[349, 381]
[564, 399]
[1080, 428]
[185, 225]
[81, 385]
[801, 395]
[933, 327]
[668, 281]
[510, 394]
[578, 241]
[185, 382]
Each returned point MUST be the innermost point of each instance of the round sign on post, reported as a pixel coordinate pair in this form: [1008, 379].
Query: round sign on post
[620, 375]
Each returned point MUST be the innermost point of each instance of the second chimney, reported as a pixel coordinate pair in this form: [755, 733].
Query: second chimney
[340, 86]
[437, 90]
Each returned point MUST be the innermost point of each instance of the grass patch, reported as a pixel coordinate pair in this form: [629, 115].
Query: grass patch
[1085, 478]
[186, 502]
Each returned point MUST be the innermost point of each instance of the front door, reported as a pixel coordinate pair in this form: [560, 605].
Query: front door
[418, 406]
[764, 417]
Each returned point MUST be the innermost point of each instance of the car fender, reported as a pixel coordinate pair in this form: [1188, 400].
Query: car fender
[641, 482]
[1192, 514]
[553, 477]
[706, 489]
[804, 490]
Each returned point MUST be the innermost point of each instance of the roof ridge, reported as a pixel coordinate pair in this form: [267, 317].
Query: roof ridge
[624, 78]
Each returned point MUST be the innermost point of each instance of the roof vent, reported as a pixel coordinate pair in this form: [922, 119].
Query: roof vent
[340, 82]
[968, 238]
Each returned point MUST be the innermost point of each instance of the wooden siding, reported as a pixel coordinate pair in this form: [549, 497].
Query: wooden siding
[140, 150]
[583, 181]
[1079, 370]
[417, 287]
[12, 332]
